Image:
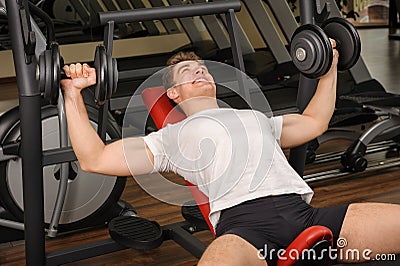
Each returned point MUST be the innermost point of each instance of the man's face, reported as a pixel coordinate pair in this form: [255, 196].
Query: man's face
[192, 79]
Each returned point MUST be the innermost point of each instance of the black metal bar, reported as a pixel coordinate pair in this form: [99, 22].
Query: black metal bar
[232, 27]
[307, 12]
[186, 240]
[81, 252]
[31, 140]
[125, 16]
[307, 87]
[59, 155]
[175, 232]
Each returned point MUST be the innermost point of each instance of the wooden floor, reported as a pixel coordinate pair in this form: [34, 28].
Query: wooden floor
[382, 57]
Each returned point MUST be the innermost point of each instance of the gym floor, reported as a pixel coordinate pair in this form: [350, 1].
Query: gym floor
[381, 56]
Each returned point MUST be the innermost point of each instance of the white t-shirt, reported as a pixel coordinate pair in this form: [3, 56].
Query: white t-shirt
[231, 155]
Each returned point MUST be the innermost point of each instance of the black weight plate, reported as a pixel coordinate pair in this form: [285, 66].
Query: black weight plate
[48, 80]
[104, 66]
[311, 51]
[115, 78]
[347, 39]
[55, 87]
[110, 76]
[135, 232]
[100, 65]
[42, 72]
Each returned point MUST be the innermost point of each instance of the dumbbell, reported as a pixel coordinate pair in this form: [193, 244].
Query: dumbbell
[49, 73]
[311, 49]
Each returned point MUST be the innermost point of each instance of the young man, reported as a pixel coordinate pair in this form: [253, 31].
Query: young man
[257, 200]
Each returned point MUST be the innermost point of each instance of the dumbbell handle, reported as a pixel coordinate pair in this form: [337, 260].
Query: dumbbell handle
[63, 75]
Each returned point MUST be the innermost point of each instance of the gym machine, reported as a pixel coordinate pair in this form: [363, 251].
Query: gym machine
[355, 87]
[95, 197]
[311, 53]
[33, 159]
[394, 10]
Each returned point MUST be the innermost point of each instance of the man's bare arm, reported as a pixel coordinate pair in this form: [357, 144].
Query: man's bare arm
[93, 155]
[313, 122]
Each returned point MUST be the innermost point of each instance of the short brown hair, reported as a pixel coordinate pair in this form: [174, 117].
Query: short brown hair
[168, 79]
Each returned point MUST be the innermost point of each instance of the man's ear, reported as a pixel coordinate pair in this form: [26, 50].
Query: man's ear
[172, 93]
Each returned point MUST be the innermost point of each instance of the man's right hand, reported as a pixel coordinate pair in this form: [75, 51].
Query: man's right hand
[81, 77]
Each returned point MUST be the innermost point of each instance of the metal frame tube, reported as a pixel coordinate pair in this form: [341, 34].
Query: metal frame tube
[64, 169]
[307, 87]
[31, 141]
[125, 16]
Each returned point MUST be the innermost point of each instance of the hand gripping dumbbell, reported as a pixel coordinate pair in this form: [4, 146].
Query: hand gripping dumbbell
[49, 73]
[311, 49]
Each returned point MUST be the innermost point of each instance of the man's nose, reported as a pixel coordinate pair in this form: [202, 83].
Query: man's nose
[199, 71]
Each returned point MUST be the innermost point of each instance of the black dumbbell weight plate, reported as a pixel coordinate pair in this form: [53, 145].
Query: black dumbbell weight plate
[100, 63]
[311, 51]
[42, 73]
[347, 40]
[110, 76]
[48, 76]
[115, 75]
[55, 73]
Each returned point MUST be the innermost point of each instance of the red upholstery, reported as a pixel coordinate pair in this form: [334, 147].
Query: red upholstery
[163, 113]
[306, 240]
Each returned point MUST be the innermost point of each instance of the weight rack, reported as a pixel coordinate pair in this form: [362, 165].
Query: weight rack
[31, 152]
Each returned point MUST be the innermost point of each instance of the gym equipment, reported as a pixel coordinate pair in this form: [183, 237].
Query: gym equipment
[363, 102]
[33, 158]
[394, 9]
[353, 158]
[281, 68]
[49, 73]
[89, 199]
[358, 85]
[311, 48]
[94, 196]
[307, 87]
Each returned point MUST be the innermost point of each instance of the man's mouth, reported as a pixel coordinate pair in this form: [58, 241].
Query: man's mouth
[200, 80]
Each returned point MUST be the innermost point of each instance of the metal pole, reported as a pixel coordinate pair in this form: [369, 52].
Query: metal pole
[31, 133]
[307, 87]
[210, 8]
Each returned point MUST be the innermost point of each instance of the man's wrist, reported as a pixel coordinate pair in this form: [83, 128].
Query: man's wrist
[72, 94]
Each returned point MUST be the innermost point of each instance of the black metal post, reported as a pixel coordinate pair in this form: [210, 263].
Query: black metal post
[31, 133]
[307, 87]
[232, 27]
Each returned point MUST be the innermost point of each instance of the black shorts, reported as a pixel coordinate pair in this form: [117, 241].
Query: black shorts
[273, 222]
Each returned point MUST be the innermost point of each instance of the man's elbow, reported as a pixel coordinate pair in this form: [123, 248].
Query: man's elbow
[321, 128]
[88, 166]
[85, 166]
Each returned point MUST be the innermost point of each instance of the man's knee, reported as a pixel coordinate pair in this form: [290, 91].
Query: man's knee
[371, 226]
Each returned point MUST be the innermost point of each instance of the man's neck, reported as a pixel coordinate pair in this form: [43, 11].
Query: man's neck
[198, 104]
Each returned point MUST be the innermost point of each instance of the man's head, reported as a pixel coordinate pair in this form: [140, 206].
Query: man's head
[187, 77]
